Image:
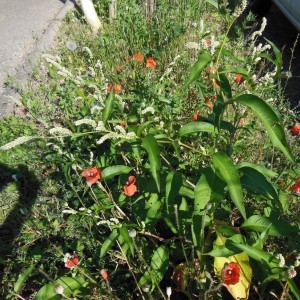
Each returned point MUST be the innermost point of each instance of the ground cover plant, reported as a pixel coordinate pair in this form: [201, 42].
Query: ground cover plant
[157, 163]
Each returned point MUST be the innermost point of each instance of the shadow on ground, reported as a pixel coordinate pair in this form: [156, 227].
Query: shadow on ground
[18, 191]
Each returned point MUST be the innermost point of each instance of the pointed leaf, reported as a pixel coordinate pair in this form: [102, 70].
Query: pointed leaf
[108, 243]
[157, 269]
[173, 185]
[203, 60]
[196, 127]
[262, 223]
[22, 278]
[108, 108]
[202, 194]
[255, 182]
[111, 172]
[227, 171]
[151, 146]
[270, 120]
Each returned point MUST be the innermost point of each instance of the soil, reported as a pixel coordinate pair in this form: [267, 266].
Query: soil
[282, 33]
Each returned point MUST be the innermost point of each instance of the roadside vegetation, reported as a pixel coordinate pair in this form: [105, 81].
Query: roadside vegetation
[157, 159]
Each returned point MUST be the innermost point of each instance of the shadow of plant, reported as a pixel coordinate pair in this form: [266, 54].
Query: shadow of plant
[18, 192]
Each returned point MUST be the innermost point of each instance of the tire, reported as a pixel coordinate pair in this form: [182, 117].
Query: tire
[260, 7]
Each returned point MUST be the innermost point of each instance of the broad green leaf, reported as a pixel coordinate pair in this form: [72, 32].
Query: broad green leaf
[227, 171]
[70, 285]
[268, 261]
[263, 170]
[239, 290]
[255, 182]
[111, 172]
[220, 249]
[225, 85]
[203, 60]
[154, 206]
[202, 194]
[196, 127]
[126, 240]
[173, 185]
[109, 242]
[157, 269]
[151, 146]
[22, 278]
[197, 229]
[108, 108]
[270, 120]
[262, 223]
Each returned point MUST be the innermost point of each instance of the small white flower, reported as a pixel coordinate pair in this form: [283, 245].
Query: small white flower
[88, 51]
[169, 291]
[292, 272]
[59, 289]
[149, 109]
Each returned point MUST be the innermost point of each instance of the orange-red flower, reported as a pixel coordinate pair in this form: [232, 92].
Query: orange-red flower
[138, 57]
[104, 274]
[130, 188]
[238, 78]
[295, 129]
[196, 116]
[296, 187]
[117, 88]
[209, 103]
[92, 175]
[231, 273]
[150, 62]
[71, 261]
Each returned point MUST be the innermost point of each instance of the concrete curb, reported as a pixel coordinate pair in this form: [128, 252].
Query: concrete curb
[10, 96]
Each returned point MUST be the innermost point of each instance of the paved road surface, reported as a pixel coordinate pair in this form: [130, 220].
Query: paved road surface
[281, 32]
[27, 27]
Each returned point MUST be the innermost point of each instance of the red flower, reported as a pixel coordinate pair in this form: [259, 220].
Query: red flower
[295, 129]
[150, 63]
[196, 116]
[104, 274]
[296, 187]
[207, 41]
[117, 88]
[231, 273]
[130, 187]
[119, 68]
[71, 261]
[208, 102]
[238, 78]
[138, 57]
[92, 175]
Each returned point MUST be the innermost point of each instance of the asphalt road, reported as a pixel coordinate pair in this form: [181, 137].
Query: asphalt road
[282, 33]
[27, 28]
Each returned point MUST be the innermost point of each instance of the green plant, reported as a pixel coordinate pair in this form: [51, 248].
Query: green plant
[170, 177]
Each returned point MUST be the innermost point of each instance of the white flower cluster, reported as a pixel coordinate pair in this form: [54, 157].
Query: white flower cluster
[86, 121]
[110, 222]
[169, 68]
[88, 51]
[55, 61]
[260, 48]
[240, 9]
[19, 141]
[60, 131]
[255, 34]
[114, 135]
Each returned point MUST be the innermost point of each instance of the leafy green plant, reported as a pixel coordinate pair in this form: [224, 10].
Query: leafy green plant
[169, 176]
